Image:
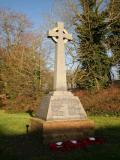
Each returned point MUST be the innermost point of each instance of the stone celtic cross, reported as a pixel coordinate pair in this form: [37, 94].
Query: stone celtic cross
[60, 37]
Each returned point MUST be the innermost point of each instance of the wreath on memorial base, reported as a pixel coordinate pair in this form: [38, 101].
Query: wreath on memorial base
[75, 144]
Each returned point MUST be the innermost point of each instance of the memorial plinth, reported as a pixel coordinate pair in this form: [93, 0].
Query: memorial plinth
[61, 115]
[61, 105]
[56, 131]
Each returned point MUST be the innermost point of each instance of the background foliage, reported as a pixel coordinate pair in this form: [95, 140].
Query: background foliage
[24, 72]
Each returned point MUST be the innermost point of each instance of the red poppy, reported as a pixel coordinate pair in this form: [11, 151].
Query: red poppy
[68, 145]
[74, 144]
[53, 147]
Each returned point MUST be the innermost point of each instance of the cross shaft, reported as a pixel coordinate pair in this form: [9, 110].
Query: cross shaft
[60, 36]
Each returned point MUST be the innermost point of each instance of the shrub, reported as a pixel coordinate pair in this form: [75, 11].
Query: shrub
[106, 101]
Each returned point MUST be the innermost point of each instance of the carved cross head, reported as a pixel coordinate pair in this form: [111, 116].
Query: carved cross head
[59, 34]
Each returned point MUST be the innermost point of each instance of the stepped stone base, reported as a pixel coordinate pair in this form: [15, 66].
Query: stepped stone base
[54, 131]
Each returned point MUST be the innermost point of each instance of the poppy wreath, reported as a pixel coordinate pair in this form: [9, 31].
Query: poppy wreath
[75, 144]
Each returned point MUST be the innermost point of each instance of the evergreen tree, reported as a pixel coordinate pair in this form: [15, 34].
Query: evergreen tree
[91, 28]
[113, 38]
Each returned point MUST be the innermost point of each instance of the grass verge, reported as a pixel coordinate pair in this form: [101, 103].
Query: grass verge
[15, 144]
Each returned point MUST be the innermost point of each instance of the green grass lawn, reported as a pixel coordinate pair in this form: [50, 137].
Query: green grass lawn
[15, 144]
[13, 124]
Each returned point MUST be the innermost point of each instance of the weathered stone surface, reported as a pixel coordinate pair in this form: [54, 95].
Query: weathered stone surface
[61, 115]
[60, 36]
[53, 131]
[61, 105]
